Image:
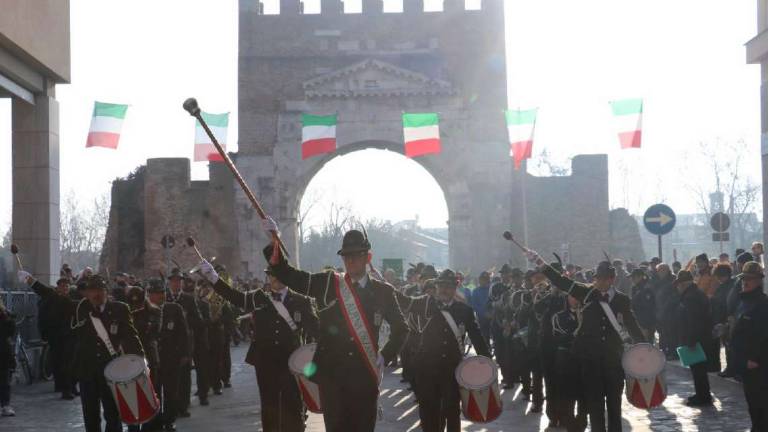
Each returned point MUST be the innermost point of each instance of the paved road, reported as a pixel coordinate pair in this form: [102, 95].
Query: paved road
[40, 410]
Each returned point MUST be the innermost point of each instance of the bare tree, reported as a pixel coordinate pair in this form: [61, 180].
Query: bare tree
[308, 203]
[731, 191]
[82, 230]
[546, 165]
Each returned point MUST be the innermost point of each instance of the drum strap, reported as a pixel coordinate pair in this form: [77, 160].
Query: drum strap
[102, 333]
[357, 324]
[454, 328]
[283, 312]
[614, 322]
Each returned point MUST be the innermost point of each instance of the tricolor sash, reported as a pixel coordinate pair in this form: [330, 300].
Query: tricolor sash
[357, 324]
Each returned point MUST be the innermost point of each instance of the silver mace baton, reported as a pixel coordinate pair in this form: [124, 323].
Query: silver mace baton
[190, 105]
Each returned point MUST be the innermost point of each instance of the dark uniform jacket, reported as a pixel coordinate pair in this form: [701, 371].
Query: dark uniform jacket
[545, 307]
[273, 339]
[596, 337]
[337, 355]
[54, 313]
[147, 323]
[174, 336]
[749, 340]
[438, 348]
[91, 354]
[195, 324]
[694, 319]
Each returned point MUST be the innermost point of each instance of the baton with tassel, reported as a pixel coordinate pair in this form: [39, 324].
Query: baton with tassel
[190, 105]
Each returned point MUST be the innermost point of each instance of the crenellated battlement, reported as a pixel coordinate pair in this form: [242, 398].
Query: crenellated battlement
[334, 8]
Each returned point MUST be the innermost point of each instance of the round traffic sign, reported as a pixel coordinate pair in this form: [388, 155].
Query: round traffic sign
[720, 222]
[659, 219]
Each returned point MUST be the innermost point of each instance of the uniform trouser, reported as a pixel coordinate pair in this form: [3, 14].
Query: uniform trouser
[439, 402]
[216, 356]
[551, 385]
[202, 369]
[61, 356]
[500, 350]
[349, 403]
[5, 387]
[537, 380]
[168, 387]
[701, 380]
[281, 407]
[226, 373]
[604, 382]
[756, 394]
[519, 366]
[185, 387]
[95, 396]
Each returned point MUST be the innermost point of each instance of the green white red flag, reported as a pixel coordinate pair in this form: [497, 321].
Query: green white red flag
[520, 126]
[421, 133]
[628, 114]
[106, 125]
[204, 148]
[318, 135]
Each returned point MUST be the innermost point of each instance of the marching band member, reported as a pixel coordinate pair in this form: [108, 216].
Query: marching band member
[174, 354]
[440, 351]
[104, 329]
[283, 320]
[598, 343]
[349, 361]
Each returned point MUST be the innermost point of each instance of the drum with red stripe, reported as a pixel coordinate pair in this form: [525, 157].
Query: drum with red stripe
[302, 367]
[644, 370]
[477, 377]
[128, 378]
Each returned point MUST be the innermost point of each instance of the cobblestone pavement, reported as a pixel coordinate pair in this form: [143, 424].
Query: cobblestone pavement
[40, 410]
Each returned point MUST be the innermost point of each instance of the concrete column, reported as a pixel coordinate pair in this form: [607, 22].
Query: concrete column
[35, 174]
[764, 144]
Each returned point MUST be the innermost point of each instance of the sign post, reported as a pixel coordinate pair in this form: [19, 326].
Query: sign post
[167, 242]
[659, 219]
[720, 222]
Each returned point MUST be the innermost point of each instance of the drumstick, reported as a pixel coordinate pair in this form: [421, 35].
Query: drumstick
[191, 243]
[15, 252]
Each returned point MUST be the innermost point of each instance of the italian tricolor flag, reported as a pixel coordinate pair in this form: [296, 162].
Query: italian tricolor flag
[204, 148]
[318, 135]
[520, 126]
[106, 124]
[629, 121]
[421, 133]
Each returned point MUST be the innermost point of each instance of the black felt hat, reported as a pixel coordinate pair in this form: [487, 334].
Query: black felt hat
[447, 277]
[354, 242]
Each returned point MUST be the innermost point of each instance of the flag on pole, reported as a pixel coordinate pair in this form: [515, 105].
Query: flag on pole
[204, 148]
[106, 125]
[421, 133]
[520, 126]
[318, 135]
[629, 121]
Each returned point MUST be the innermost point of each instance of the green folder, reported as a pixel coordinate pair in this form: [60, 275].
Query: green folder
[689, 357]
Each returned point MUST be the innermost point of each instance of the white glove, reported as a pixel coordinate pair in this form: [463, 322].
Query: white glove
[269, 226]
[25, 277]
[206, 269]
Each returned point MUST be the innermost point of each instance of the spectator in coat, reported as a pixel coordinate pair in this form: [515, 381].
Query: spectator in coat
[667, 299]
[749, 344]
[480, 304]
[694, 322]
[719, 302]
[7, 360]
[643, 303]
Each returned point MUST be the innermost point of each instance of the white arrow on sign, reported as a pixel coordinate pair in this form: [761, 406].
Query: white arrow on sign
[662, 219]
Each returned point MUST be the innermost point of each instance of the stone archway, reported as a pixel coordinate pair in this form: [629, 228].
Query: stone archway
[373, 183]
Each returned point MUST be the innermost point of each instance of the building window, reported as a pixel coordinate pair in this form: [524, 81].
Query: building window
[371, 84]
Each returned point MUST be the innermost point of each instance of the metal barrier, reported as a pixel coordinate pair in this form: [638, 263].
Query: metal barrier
[23, 303]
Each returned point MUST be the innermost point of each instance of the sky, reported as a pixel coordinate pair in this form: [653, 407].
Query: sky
[685, 58]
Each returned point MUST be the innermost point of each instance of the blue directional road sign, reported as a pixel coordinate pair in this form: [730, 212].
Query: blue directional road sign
[659, 219]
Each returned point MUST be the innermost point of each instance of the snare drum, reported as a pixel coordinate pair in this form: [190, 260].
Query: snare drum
[477, 377]
[128, 378]
[644, 370]
[301, 366]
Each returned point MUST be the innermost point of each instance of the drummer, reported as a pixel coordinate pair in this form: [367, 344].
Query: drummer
[283, 319]
[598, 344]
[103, 328]
[440, 351]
